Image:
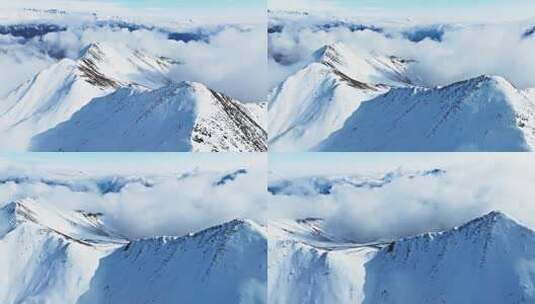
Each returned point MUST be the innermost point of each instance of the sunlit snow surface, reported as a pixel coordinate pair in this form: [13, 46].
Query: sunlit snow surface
[342, 84]
[105, 236]
[337, 242]
[60, 62]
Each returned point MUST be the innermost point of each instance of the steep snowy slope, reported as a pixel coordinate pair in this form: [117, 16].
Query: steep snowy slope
[488, 260]
[224, 264]
[60, 90]
[179, 117]
[258, 112]
[314, 102]
[306, 265]
[50, 256]
[482, 114]
[47, 256]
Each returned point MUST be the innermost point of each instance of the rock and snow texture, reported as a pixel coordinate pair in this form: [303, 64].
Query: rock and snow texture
[178, 117]
[51, 256]
[488, 260]
[47, 256]
[224, 264]
[306, 265]
[56, 93]
[486, 113]
[120, 99]
[315, 101]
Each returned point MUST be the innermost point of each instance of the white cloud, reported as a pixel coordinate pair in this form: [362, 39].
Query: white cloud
[303, 5]
[464, 52]
[232, 61]
[473, 186]
[173, 206]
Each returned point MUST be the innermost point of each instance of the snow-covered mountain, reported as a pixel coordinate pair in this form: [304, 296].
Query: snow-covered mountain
[307, 265]
[492, 253]
[52, 256]
[48, 256]
[486, 113]
[315, 101]
[122, 100]
[60, 90]
[179, 117]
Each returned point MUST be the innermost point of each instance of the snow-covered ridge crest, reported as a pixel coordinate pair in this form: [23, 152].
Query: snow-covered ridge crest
[82, 227]
[58, 91]
[481, 253]
[490, 249]
[53, 256]
[105, 66]
[184, 116]
[485, 113]
[368, 69]
[315, 101]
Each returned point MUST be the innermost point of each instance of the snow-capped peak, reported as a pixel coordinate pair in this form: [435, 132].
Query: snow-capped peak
[58, 91]
[223, 261]
[182, 116]
[53, 256]
[315, 101]
[366, 68]
[491, 223]
[79, 226]
[107, 66]
[490, 249]
[485, 113]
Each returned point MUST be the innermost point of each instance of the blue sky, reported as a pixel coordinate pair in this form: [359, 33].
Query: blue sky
[194, 9]
[487, 9]
[299, 164]
[196, 4]
[136, 162]
[410, 4]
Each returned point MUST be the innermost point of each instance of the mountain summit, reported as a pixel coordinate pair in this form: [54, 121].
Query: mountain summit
[186, 116]
[485, 113]
[315, 101]
[52, 256]
[487, 260]
[56, 93]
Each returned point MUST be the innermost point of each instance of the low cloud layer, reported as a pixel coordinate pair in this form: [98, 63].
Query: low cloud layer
[409, 206]
[231, 60]
[463, 51]
[163, 203]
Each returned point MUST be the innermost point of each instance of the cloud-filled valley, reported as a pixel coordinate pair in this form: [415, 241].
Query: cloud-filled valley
[443, 53]
[29, 46]
[149, 202]
[373, 205]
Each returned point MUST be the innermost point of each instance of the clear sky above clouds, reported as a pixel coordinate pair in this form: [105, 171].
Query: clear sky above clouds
[302, 164]
[136, 162]
[180, 8]
[466, 9]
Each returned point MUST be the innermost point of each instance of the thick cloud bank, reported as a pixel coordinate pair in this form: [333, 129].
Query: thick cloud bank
[224, 57]
[411, 205]
[151, 202]
[443, 53]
